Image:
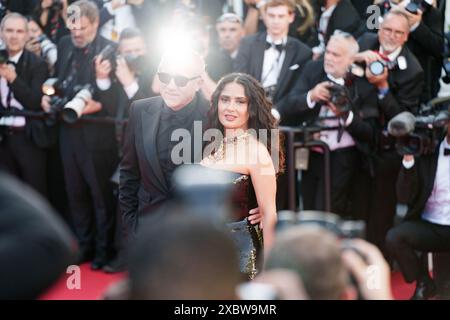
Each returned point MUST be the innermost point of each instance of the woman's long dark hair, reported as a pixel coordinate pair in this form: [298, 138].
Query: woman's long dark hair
[259, 110]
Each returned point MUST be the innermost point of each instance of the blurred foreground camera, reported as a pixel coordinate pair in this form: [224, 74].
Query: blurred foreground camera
[341, 227]
[415, 5]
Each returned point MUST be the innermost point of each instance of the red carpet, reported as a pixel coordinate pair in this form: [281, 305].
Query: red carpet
[94, 283]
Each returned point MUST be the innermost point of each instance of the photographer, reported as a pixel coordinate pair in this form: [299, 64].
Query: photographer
[21, 76]
[52, 17]
[312, 97]
[399, 83]
[424, 183]
[40, 45]
[88, 148]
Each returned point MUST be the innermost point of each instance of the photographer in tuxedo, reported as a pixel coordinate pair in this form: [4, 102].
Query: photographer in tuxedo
[399, 84]
[424, 183]
[21, 77]
[312, 97]
[88, 148]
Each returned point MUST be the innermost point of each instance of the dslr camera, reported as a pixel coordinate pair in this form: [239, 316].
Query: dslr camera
[415, 5]
[136, 63]
[418, 135]
[346, 229]
[340, 97]
[61, 107]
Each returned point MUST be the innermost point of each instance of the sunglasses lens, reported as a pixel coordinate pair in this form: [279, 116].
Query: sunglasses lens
[164, 77]
[181, 81]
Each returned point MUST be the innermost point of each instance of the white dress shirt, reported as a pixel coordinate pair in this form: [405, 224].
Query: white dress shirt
[4, 90]
[122, 18]
[273, 61]
[437, 208]
[323, 26]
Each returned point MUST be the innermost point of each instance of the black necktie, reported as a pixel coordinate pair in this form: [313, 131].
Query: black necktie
[279, 47]
[447, 152]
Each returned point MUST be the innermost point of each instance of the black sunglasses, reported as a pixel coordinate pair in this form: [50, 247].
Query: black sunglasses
[180, 81]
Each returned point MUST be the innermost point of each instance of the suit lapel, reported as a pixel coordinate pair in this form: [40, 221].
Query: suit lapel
[258, 50]
[150, 124]
[285, 76]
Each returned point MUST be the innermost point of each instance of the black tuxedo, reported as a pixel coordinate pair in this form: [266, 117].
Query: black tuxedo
[344, 18]
[250, 60]
[89, 152]
[405, 86]
[143, 186]
[21, 149]
[415, 186]
[294, 110]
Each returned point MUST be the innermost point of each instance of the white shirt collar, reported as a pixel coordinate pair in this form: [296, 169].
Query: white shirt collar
[282, 41]
[16, 57]
[339, 81]
[326, 13]
[393, 55]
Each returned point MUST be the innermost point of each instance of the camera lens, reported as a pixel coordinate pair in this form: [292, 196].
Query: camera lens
[377, 68]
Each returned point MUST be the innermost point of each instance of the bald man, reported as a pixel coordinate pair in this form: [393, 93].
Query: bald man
[146, 168]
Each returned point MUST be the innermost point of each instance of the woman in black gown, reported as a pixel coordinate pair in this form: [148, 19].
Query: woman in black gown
[249, 149]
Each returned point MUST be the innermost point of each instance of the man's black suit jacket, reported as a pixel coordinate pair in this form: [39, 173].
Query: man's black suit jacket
[143, 188]
[294, 109]
[250, 60]
[27, 89]
[415, 185]
[97, 136]
[405, 86]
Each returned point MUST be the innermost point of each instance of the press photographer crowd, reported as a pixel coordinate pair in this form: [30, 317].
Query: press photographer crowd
[226, 149]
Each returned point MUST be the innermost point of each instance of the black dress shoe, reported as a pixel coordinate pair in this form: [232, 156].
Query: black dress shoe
[98, 263]
[424, 290]
[116, 265]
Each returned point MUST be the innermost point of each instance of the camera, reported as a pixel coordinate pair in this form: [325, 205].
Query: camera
[415, 5]
[61, 106]
[340, 97]
[136, 63]
[4, 56]
[418, 135]
[343, 228]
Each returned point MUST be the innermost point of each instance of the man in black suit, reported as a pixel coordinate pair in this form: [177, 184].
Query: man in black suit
[37, 246]
[399, 88]
[335, 15]
[88, 149]
[272, 57]
[146, 168]
[424, 183]
[311, 98]
[20, 89]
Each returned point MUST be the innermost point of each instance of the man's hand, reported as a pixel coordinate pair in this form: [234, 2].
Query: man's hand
[92, 106]
[45, 4]
[381, 81]
[373, 275]
[320, 92]
[336, 111]
[8, 72]
[367, 57]
[45, 103]
[255, 217]
[413, 19]
[102, 68]
[123, 73]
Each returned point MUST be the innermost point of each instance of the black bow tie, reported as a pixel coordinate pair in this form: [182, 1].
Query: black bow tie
[279, 47]
[447, 152]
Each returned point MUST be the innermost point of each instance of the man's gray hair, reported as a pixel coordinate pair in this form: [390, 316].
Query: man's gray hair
[352, 43]
[85, 8]
[14, 15]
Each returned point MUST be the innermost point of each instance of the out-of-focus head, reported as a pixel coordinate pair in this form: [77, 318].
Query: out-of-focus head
[14, 32]
[278, 15]
[315, 254]
[34, 30]
[230, 31]
[132, 42]
[339, 54]
[183, 257]
[394, 30]
[83, 22]
[180, 76]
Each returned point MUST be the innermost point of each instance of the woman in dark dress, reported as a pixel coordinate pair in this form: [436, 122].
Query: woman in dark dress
[248, 149]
